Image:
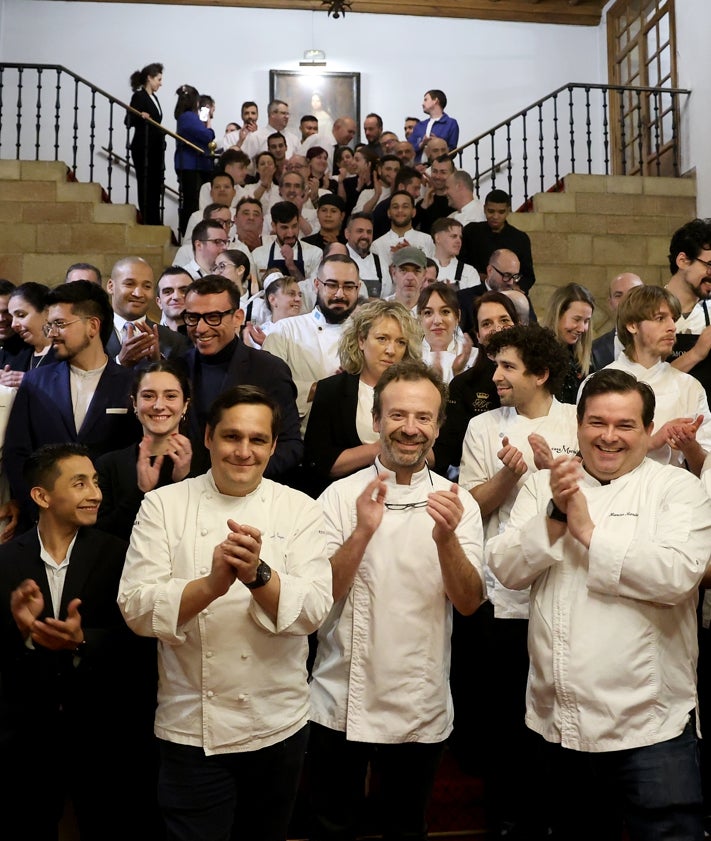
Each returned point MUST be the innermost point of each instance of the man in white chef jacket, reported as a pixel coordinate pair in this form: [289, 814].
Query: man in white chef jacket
[229, 571]
[614, 549]
[405, 546]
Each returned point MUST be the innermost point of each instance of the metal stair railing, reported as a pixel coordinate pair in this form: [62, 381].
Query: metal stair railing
[48, 112]
[572, 130]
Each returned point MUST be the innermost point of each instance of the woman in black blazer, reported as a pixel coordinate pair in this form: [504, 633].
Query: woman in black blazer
[339, 436]
[161, 395]
[148, 142]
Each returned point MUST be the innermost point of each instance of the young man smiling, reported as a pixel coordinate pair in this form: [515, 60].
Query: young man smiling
[69, 665]
[229, 572]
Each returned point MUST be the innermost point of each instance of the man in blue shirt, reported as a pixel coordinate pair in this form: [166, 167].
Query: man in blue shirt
[437, 123]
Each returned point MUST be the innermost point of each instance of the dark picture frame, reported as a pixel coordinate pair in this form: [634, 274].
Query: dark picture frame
[338, 94]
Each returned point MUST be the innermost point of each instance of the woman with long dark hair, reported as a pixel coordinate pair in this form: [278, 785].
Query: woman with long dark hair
[161, 395]
[148, 142]
[193, 168]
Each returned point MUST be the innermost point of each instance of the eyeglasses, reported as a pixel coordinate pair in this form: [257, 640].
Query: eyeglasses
[59, 326]
[221, 267]
[706, 263]
[507, 275]
[212, 319]
[217, 241]
[333, 286]
[406, 506]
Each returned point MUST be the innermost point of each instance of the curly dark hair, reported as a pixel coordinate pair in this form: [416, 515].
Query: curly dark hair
[539, 349]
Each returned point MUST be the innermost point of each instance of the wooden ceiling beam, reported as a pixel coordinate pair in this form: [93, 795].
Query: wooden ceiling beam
[576, 12]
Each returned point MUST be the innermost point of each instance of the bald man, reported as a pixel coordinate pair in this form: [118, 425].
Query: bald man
[343, 131]
[608, 347]
[135, 339]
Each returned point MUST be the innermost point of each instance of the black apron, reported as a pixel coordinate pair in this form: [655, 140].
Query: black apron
[281, 264]
[685, 341]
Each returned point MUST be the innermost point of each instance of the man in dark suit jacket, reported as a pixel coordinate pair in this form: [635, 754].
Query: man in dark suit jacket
[219, 360]
[78, 687]
[84, 397]
[135, 339]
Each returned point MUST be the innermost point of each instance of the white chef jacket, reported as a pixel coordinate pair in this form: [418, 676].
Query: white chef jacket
[309, 346]
[446, 274]
[446, 357]
[382, 669]
[231, 679]
[677, 395]
[382, 245]
[480, 463]
[472, 211]
[612, 634]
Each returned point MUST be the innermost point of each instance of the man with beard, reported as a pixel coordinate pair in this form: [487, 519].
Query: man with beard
[287, 252]
[83, 398]
[473, 391]
[401, 234]
[690, 265]
[309, 343]
[359, 238]
[405, 547]
[682, 423]
[435, 203]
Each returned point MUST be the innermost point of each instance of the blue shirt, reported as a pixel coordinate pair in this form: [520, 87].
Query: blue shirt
[445, 127]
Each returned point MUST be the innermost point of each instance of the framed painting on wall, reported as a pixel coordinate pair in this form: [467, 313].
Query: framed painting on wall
[325, 95]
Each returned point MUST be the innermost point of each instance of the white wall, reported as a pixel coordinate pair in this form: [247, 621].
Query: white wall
[488, 69]
[693, 24]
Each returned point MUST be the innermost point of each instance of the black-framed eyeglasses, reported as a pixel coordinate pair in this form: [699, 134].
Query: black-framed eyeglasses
[334, 286]
[507, 275]
[212, 319]
[216, 240]
[406, 506]
[706, 263]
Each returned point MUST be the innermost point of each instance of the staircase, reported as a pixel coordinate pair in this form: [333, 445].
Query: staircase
[601, 225]
[47, 223]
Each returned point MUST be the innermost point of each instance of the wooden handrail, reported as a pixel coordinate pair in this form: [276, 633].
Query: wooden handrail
[109, 96]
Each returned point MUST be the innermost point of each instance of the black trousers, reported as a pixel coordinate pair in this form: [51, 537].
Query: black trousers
[337, 770]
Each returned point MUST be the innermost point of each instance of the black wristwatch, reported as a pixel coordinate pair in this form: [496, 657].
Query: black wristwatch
[554, 513]
[264, 573]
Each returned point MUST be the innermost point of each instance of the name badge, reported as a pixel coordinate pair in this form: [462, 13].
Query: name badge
[117, 411]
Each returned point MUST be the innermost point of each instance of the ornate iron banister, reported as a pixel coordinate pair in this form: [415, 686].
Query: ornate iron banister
[645, 141]
[83, 116]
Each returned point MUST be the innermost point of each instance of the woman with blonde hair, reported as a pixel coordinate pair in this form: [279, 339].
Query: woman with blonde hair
[569, 316]
[339, 437]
